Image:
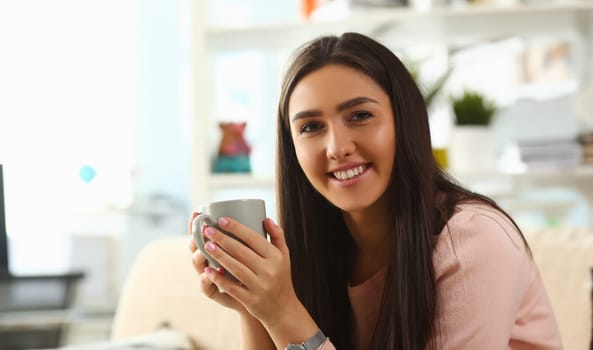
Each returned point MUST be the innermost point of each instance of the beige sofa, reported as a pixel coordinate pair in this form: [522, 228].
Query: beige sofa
[565, 260]
[163, 287]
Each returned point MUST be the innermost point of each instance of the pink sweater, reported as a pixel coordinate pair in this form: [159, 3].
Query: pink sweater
[490, 293]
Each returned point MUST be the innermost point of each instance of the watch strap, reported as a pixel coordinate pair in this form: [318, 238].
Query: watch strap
[315, 341]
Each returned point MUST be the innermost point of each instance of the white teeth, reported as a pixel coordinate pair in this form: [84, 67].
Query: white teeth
[350, 173]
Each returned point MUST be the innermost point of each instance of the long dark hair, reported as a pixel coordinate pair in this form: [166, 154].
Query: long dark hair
[421, 195]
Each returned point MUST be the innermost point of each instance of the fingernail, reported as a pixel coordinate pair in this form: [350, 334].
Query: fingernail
[209, 232]
[222, 221]
[208, 270]
[210, 246]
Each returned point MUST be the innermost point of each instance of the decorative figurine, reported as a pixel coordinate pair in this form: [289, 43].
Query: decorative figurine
[233, 152]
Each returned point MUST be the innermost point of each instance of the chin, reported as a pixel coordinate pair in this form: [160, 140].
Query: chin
[361, 203]
[355, 206]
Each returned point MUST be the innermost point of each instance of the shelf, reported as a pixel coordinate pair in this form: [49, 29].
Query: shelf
[31, 319]
[583, 171]
[553, 173]
[507, 186]
[221, 181]
[470, 21]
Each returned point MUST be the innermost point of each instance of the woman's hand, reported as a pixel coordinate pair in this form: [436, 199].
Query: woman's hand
[263, 290]
[208, 287]
[264, 287]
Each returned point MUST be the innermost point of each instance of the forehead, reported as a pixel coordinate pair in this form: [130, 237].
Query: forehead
[333, 84]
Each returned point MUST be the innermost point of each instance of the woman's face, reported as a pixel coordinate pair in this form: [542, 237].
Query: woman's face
[343, 130]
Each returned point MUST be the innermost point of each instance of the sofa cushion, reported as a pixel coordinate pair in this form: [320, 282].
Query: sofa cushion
[565, 259]
[162, 287]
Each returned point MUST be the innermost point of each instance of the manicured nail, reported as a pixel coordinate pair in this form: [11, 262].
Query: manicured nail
[210, 246]
[222, 221]
[209, 232]
[209, 270]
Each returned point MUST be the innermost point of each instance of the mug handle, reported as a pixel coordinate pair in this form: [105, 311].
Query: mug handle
[199, 237]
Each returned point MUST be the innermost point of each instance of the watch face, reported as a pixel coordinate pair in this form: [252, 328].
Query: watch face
[295, 347]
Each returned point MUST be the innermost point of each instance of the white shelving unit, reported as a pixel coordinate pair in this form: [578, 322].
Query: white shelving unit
[504, 185]
[448, 24]
[470, 22]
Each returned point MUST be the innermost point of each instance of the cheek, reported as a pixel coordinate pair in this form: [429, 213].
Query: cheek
[306, 158]
[385, 135]
[303, 157]
[385, 141]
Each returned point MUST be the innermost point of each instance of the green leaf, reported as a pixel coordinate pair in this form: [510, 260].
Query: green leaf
[472, 108]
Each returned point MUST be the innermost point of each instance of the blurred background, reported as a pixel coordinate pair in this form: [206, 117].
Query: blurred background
[111, 116]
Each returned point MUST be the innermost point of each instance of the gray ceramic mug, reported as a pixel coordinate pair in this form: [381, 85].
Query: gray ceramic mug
[249, 212]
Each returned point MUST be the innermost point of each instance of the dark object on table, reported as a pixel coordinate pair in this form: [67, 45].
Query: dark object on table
[3, 234]
[35, 309]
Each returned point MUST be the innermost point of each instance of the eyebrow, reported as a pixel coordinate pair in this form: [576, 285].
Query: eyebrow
[341, 107]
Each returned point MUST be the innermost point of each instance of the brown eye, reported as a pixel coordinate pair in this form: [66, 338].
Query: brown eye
[310, 127]
[360, 116]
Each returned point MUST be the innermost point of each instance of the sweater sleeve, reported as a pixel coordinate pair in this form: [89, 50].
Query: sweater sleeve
[485, 279]
[327, 345]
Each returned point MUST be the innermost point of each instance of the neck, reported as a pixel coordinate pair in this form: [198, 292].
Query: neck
[369, 229]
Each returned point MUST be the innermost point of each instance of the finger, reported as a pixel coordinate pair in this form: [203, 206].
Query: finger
[225, 285]
[192, 245]
[239, 251]
[191, 221]
[276, 235]
[250, 238]
[199, 261]
[208, 287]
[229, 263]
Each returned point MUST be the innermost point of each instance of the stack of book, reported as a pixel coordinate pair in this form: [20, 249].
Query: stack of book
[551, 152]
[587, 144]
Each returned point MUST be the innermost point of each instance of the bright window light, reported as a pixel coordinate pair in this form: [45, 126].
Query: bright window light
[68, 107]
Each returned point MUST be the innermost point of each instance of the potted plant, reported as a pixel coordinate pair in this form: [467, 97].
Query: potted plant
[473, 143]
[472, 108]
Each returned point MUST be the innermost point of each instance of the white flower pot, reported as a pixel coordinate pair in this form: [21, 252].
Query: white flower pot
[472, 149]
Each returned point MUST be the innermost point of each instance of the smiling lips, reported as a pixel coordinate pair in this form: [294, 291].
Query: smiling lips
[348, 174]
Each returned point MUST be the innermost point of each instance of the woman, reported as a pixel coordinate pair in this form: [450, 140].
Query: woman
[376, 247]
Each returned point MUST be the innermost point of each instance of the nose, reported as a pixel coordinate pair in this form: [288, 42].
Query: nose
[340, 143]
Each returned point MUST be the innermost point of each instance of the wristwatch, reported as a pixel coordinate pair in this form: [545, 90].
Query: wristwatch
[312, 343]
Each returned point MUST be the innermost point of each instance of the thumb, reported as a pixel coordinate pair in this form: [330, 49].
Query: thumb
[191, 220]
[276, 235]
